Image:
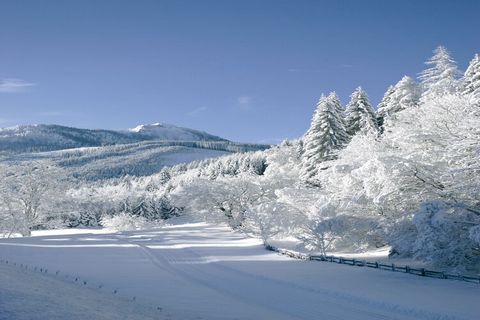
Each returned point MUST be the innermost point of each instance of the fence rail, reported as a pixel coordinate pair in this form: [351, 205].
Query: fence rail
[377, 265]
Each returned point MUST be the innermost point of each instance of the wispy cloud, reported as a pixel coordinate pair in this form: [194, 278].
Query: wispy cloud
[197, 111]
[14, 85]
[244, 100]
[244, 103]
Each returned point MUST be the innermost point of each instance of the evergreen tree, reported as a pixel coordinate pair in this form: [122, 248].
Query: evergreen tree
[360, 115]
[164, 176]
[471, 79]
[385, 100]
[442, 76]
[326, 135]
[403, 95]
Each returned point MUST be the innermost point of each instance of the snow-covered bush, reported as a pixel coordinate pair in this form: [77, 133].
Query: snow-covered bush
[443, 234]
[125, 221]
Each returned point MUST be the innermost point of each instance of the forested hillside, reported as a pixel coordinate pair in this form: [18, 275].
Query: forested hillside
[38, 138]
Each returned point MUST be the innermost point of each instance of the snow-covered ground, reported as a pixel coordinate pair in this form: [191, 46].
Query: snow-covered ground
[201, 271]
[25, 295]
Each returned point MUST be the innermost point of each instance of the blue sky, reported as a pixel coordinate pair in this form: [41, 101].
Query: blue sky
[244, 70]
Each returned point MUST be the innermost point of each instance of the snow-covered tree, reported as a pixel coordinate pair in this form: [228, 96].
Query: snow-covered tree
[405, 94]
[360, 116]
[325, 136]
[441, 77]
[221, 200]
[471, 80]
[432, 153]
[441, 233]
[31, 196]
[383, 103]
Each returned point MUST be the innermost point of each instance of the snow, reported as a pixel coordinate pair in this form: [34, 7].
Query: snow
[205, 271]
[25, 294]
[170, 132]
[142, 127]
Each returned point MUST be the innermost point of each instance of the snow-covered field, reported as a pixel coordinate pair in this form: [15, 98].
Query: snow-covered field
[25, 295]
[202, 271]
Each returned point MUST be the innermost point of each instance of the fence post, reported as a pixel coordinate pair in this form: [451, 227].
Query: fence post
[407, 269]
[423, 272]
[393, 266]
[376, 264]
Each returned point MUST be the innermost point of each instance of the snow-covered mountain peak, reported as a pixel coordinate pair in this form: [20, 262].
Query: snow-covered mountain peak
[165, 131]
[147, 127]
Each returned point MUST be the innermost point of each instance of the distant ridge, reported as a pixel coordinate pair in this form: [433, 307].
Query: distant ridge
[42, 137]
[162, 131]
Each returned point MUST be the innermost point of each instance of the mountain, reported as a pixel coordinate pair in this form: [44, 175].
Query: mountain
[38, 138]
[102, 154]
[158, 131]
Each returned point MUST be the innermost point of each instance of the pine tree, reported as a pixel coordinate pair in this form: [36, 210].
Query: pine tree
[360, 116]
[326, 135]
[385, 100]
[471, 79]
[442, 77]
[164, 176]
[404, 95]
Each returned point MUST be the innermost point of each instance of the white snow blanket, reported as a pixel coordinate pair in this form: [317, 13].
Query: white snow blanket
[202, 271]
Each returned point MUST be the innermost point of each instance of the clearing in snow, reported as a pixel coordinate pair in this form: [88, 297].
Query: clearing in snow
[202, 271]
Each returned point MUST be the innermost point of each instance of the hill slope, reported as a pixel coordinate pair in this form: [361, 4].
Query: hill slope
[137, 159]
[100, 154]
[37, 138]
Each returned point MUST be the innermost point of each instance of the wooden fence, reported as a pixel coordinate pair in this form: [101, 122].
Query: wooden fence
[377, 265]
